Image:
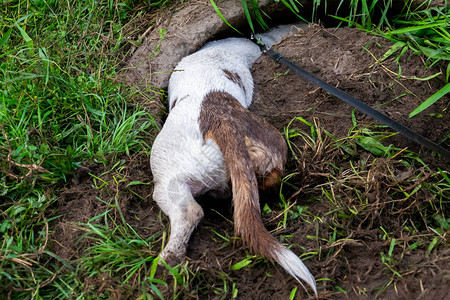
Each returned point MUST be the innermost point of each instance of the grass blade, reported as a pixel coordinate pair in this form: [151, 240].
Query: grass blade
[5, 37]
[245, 262]
[415, 28]
[247, 14]
[25, 35]
[430, 101]
[221, 16]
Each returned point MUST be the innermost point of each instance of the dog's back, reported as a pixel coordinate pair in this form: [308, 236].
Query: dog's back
[210, 139]
[222, 65]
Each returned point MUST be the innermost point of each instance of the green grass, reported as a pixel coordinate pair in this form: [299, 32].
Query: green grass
[62, 110]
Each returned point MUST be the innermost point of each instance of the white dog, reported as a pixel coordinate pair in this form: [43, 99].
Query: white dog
[210, 139]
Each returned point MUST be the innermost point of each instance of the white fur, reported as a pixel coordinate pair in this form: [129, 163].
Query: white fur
[294, 266]
[202, 72]
[183, 164]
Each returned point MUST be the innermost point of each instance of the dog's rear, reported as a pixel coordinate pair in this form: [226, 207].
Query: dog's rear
[251, 147]
[210, 139]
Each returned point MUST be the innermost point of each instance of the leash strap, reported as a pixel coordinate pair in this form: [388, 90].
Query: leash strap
[358, 104]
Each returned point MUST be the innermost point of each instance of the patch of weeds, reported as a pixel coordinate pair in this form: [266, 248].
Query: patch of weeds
[315, 142]
[368, 139]
[223, 238]
[224, 287]
[253, 12]
[365, 12]
[119, 256]
[372, 197]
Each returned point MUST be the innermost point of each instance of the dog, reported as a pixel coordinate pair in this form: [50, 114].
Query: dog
[210, 140]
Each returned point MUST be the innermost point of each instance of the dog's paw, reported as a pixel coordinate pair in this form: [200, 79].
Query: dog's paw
[171, 258]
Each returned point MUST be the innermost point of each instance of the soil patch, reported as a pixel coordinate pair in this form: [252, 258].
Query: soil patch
[351, 60]
[87, 197]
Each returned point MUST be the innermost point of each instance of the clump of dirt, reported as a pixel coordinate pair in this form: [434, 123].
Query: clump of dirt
[348, 239]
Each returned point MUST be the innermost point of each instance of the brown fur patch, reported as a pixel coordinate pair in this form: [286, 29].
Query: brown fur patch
[265, 145]
[248, 143]
[174, 103]
[234, 77]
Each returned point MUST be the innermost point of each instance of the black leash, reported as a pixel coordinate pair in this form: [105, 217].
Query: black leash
[358, 104]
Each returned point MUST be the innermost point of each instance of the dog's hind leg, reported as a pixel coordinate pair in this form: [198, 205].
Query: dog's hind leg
[176, 201]
[267, 151]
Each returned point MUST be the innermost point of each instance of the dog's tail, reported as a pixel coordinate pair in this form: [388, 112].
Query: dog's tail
[227, 128]
[247, 217]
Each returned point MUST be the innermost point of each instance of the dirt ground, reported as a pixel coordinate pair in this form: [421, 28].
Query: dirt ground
[349, 59]
[345, 58]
